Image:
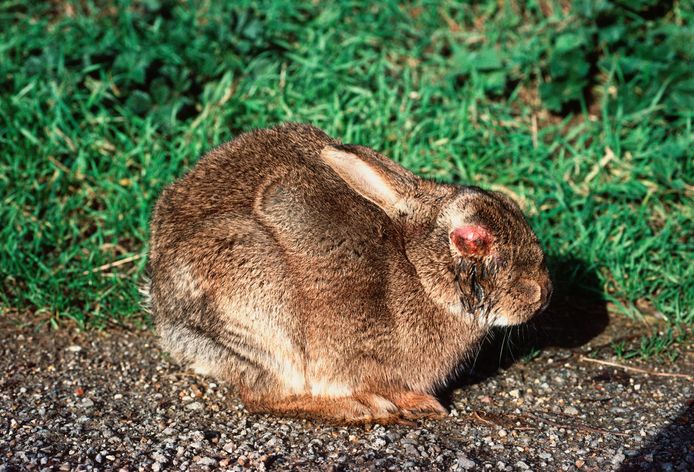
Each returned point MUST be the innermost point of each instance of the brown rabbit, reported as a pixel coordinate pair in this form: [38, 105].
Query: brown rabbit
[325, 280]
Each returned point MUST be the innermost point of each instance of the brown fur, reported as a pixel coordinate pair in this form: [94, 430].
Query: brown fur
[320, 278]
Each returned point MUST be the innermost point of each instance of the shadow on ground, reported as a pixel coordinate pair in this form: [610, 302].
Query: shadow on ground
[666, 447]
[577, 314]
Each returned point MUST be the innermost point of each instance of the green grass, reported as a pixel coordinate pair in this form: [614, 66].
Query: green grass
[584, 114]
[663, 344]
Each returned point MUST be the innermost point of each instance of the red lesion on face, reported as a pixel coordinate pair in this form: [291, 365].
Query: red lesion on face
[472, 240]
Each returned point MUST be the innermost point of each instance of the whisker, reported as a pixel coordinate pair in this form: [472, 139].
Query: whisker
[503, 343]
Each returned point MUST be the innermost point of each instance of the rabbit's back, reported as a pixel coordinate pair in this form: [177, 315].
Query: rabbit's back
[260, 251]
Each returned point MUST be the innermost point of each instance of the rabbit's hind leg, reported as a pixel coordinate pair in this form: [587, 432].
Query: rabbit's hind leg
[356, 409]
[415, 405]
[235, 362]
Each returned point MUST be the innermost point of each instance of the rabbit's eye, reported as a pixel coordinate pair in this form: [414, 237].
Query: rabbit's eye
[472, 240]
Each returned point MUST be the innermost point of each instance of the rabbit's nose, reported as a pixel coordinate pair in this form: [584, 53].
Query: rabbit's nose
[531, 290]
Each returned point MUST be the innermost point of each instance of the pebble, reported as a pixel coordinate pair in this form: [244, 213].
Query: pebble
[618, 458]
[206, 461]
[570, 410]
[465, 462]
[194, 406]
[229, 447]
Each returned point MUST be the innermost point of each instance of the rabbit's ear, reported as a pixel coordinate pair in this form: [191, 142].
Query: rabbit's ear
[384, 183]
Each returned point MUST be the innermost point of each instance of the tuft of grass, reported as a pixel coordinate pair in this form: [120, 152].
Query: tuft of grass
[664, 344]
[583, 114]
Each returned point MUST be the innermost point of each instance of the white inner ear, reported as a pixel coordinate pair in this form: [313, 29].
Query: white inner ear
[364, 178]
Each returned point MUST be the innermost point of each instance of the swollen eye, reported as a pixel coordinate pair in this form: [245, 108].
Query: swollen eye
[472, 240]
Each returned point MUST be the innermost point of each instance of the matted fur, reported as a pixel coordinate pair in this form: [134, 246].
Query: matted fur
[320, 278]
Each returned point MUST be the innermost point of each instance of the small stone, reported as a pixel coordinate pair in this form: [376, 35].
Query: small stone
[411, 450]
[87, 403]
[515, 393]
[522, 465]
[618, 458]
[464, 462]
[74, 348]
[207, 461]
[378, 443]
[570, 410]
[579, 463]
[194, 406]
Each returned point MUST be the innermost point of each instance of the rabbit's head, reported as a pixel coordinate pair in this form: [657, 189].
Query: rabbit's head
[474, 253]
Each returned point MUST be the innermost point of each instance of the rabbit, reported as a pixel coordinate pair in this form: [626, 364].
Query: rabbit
[323, 280]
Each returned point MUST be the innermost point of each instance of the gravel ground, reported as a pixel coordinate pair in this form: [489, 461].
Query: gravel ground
[112, 400]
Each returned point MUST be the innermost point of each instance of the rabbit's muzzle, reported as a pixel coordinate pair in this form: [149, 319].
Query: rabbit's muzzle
[496, 297]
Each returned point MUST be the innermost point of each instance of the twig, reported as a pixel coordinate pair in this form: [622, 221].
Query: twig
[117, 263]
[636, 369]
[477, 417]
